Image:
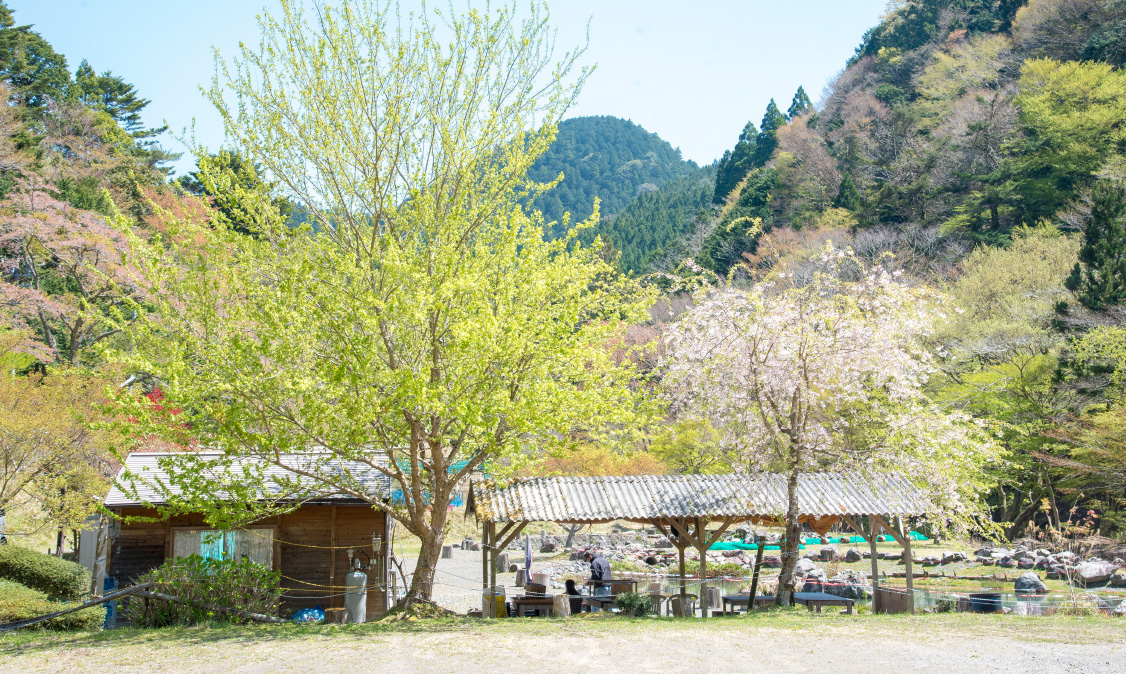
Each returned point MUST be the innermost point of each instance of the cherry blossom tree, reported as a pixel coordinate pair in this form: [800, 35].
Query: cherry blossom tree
[822, 366]
[65, 281]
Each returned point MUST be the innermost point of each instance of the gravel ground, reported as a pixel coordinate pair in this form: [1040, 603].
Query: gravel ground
[458, 580]
[793, 643]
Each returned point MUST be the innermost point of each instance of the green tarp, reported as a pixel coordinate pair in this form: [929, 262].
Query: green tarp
[914, 535]
[744, 546]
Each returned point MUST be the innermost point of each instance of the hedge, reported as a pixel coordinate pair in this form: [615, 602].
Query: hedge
[57, 578]
[18, 602]
[238, 584]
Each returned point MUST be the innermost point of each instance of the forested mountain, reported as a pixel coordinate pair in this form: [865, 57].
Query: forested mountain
[609, 158]
[978, 146]
[652, 227]
[961, 119]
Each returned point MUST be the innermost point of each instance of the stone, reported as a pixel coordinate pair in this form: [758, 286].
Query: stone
[1008, 563]
[949, 557]
[989, 561]
[513, 568]
[1025, 563]
[829, 553]
[853, 555]
[1118, 579]
[547, 546]
[825, 540]
[893, 556]
[848, 584]
[867, 554]
[1043, 563]
[804, 566]
[772, 562]
[1043, 552]
[811, 554]
[1091, 573]
[1066, 556]
[931, 560]
[1029, 583]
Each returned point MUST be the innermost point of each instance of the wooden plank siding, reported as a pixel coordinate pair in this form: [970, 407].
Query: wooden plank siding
[302, 552]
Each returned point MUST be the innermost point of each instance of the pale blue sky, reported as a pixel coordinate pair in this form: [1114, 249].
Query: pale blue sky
[693, 72]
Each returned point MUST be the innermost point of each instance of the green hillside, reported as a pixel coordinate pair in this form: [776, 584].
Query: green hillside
[609, 158]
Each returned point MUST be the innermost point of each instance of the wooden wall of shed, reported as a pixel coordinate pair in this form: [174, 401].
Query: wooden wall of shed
[303, 553]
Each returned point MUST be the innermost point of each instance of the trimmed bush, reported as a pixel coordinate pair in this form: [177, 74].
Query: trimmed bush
[238, 584]
[57, 578]
[633, 604]
[18, 602]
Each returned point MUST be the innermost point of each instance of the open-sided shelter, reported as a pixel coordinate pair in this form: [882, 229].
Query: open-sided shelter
[684, 506]
[310, 545]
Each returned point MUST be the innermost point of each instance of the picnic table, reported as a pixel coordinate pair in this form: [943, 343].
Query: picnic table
[735, 601]
[532, 606]
[600, 601]
[818, 599]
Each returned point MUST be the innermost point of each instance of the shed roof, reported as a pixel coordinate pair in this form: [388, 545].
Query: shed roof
[148, 473]
[648, 497]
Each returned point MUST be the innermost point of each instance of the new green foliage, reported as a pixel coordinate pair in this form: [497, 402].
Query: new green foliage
[236, 584]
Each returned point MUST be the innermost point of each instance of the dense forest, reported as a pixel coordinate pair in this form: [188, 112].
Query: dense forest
[611, 159]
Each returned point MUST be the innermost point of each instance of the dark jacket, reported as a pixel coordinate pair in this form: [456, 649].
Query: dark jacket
[599, 569]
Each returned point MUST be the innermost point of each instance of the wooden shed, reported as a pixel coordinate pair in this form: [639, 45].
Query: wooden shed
[310, 546]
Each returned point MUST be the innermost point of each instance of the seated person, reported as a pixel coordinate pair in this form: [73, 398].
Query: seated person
[571, 588]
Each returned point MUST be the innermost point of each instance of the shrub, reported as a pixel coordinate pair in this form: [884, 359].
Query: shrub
[57, 578]
[18, 602]
[633, 604]
[238, 584]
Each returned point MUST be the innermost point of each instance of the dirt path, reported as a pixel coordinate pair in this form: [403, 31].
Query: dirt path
[792, 644]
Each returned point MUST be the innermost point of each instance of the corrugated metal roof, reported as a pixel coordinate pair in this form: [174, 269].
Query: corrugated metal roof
[644, 497]
[148, 474]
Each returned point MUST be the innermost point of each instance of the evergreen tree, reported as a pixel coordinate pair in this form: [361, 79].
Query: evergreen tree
[735, 164]
[34, 70]
[772, 120]
[1099, 278]
[848, 196]
[110, 93]
[800, 104]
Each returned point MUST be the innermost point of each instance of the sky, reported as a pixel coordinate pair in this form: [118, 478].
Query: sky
[692, 72]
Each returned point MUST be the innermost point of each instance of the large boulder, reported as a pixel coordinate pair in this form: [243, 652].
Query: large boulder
[1092, 573]
[1008, 563]
[803, 567]
[950, 556]
[829, 553]
[848, 584]
[772, 561]
[1025, 563]
[547, 546]
[814, 581]
[811, 554]
[853, 555]
[1118, 579]
[1029, 583]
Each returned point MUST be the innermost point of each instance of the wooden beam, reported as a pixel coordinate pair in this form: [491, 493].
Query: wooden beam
[492, 554]
[727, 522]
[886, 527]
[855, 527]
[504, 543]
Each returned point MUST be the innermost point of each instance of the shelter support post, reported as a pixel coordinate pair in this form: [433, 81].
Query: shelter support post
[485, 556]
[492, 555]
[873, 529]
[908, 560]
[754, 576]
[702, 546]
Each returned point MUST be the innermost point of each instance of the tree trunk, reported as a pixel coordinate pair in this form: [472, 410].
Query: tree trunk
[60, 541]
[786, 581]
[1022, 520]
[422, 581]
[571, 531]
